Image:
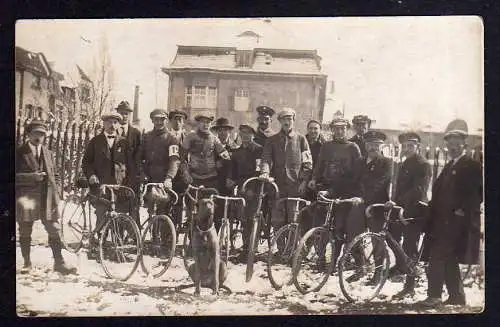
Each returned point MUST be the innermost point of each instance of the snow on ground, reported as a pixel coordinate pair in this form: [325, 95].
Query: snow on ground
[44, 292]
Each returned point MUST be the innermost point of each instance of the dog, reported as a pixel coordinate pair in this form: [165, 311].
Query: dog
[208, 270]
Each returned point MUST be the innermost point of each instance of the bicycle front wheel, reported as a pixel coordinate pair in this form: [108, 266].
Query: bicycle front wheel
[364, 267]
[158, 245]
[314, 260]
[120, 247]
[74, 223]
[252, 247]
[280, 256]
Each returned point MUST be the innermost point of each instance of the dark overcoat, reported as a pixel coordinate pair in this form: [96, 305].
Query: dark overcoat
[44, 193]
[133, 141]
[375, 178]
[459, 186]
[360, 142]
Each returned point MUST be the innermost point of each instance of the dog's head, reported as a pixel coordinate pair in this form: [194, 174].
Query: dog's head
[205, 215]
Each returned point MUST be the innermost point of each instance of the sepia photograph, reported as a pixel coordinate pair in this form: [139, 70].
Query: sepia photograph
[249, 166]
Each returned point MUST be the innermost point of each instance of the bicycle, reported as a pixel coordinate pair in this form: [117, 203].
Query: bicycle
[261, 224]
[117, 233]
[159, 236]
[283, 245]
[374, 246]
[186, 244]
[316, 254]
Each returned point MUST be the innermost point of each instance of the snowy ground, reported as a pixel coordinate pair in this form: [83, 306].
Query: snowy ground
[46, 293]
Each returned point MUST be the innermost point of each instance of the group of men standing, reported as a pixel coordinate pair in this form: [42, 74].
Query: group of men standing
[301, 165]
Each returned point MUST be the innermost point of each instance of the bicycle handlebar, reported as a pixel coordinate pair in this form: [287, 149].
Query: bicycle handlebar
[322, 197]
[116, 187]
[368, 211]
[229, 198]
[297, 201]
[162, 186]
[261, 179]
[197, 189]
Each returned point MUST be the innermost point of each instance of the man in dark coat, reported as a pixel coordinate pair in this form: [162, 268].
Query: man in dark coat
[412, 184]
[132, 138]
[361, 124]
[37, 197]
[286, 157]
[453, 229]
[264, 130]
[223, 130]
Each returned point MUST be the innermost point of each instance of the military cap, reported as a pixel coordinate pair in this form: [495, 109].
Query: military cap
[247, 128]
[286, 112]
[203, 115]
[339, 121]
[409, 137]
[125, 106]
[374, 137]
[222, 123]
[456, 127]
[36, 126]
[158, 113]
[265, 111]
[176, 112]
[361, 119]
[111, 115]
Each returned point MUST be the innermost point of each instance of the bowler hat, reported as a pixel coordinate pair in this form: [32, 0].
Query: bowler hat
[265, 111]
[374, 137]
[221, 123]
[111, 115]
[125, 106]
[409, 137]
[247, 127]
[173, 113]
[361, 119]
[158, 113]
[36, 126]
[456, 127]
[286, 112]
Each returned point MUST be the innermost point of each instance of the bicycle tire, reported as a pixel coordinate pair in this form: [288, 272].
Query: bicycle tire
[303, 251]
[115, 227]
[73, 201]
[159, 249]
[252, 248]
[345, 262]
[224, 241]
[286, 253]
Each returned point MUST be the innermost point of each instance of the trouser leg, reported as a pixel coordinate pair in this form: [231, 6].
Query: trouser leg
[54, 239]
[453, 280]
[435, 278]
[25, 230]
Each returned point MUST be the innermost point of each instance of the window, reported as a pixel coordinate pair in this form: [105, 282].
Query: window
[243, 58]
[200, 97]
[36, 82]
[241, 100]
[29, 111]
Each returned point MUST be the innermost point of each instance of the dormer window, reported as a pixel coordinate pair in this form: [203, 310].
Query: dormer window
[243, 58]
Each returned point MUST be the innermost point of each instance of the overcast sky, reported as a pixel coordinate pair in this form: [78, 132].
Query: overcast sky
[412, 71]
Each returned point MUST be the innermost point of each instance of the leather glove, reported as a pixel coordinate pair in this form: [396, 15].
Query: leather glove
[168, 183]
[356, 201]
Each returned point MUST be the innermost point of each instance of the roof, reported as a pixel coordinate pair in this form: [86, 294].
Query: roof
[264, 60]
[35, 62]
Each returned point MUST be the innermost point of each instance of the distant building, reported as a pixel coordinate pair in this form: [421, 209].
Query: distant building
[232, 81]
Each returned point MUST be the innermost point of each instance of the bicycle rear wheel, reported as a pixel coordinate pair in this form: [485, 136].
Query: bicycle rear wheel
[252, 247]
[363, 268]
[224, 241]
[313, 262]
[280, 257]
[74, 223]
[120, 247]
[158, 245]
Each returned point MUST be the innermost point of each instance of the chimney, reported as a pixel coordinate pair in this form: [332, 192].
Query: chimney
[135, 120]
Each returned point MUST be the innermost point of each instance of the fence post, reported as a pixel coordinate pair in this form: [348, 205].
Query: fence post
[51, 137]
[58, 146]
[72, 164]
[80, 149]
[63, 159]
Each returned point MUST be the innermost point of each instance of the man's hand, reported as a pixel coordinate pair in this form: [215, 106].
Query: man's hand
[356, 201]
[168, 183]
[459, 212]
[312, 184]
[230, 183]
[93, 180]
[303, 187]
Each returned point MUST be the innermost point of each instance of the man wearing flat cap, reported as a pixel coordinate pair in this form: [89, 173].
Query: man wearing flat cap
[245, 163]
[361, 124]
[37, 196]
[453, 228]
[105, 162]
[287, 158]
[160, 153]
[411, 187]
[264, 120]
[133, 140]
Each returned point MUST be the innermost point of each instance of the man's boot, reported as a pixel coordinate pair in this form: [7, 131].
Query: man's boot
[59, 264]
[408, 289]
[25, 243]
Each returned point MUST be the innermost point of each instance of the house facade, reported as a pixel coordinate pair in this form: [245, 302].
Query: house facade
[231, 82]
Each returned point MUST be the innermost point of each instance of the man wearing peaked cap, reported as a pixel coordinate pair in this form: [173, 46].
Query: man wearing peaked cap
[37, 196]
[204, 116]
[453, 228]
[124, 106]
[412, 184]
[361, 124]
[112, 116]
[158, 113]
[264, 119]
[286, 112]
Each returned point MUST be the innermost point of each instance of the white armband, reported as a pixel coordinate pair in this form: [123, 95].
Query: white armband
[257, 164]
[225, 155]
[173, 150]
[306, 156]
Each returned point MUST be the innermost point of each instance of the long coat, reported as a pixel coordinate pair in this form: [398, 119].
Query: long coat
[45, 192]
[133, 141]
[375, 178]
[109, 165]
[458, 187]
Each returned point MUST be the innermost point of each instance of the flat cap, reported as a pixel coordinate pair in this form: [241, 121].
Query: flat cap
[374, 137]
[158, 113]
[456, 127]
[339, 121]
[409, 137]
[125, 106]
[203, 115]
[265, 111]
[286, 112]
[361, 119]
[248, 128]
[112, 115]
[176, 112]
[36, 126]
